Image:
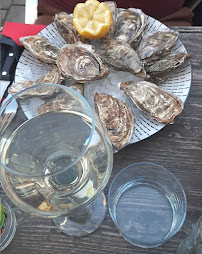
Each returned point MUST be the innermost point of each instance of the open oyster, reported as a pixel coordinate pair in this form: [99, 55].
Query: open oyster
[155, 102]
[80, 62]
[113, 8]
[121, 57]
[41, 48]
[131, 26]
[51, 77]
[156, 45]
[161, 70]
[66, 28]
[117, 117]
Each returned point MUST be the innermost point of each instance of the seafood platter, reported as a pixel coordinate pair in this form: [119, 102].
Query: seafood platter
[137, 77]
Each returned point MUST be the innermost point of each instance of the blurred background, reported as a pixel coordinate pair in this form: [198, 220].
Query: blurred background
[14, 11]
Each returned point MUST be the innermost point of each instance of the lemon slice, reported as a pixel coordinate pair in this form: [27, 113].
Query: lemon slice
[92, 19]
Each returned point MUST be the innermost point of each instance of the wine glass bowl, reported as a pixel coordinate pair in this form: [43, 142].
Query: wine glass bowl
[56, 156]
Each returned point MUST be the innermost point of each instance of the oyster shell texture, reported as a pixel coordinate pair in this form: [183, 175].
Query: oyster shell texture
[40, 91]
[155, 102]
[113, 8]
[66, 28]
[121, 57]
[63, 102]
[41, 48]
[79, 87]
[131, 26]
[80, 62]
[162, 69]
[156, 45]
[117, 117]
[51, 77]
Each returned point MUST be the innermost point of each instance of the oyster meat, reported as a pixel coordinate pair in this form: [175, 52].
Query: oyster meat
[161, 70]
[41, 48]
[66, 28]
[117, 117]
[79, 87]
[121, 57]
[51, 77]
[131, 26]
[80, 62]
[113, 8]
[156, 45]
[155, 102]
[63, 102]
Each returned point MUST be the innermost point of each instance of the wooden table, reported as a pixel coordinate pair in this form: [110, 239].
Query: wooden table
[177, 147]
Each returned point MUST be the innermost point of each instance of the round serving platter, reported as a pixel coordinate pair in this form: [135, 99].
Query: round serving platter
[179, 83]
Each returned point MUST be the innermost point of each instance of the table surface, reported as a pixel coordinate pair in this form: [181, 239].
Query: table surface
[177, 147]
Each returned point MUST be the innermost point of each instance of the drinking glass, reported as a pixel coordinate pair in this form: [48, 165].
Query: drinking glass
[192, 244]
[147, 204]
[56, 158]
[7, 224]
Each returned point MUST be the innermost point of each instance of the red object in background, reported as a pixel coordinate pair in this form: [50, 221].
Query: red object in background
[17, 30]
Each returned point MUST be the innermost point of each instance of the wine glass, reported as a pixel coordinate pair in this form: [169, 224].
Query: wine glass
[56, 158]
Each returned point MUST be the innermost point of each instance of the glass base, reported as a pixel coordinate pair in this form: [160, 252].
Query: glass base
[84, 221]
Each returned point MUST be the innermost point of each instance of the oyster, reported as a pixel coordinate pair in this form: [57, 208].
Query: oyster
[161, 70]
[66, 28]
[131, 26]
[63, 102]
[19, 86]
[79, 87]
[40, 91]
[155, 102]
[113, 8]
[41, 48]
[80, 62]
[51, 77]
[121, 57]
[156, 45]
[117, 117]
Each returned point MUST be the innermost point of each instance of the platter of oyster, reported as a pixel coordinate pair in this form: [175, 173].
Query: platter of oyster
[140, 68]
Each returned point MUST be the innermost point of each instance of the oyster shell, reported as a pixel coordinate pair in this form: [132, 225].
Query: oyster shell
[40, 91]
[161, 70]
[51, 77]
[113, 8]
[155, 102]
[19, 86]
[79, 87]
[156, 45]
[66, 28]
[80, 62]
[41, 48]
[63, 102]
[131, 26]
[121, 57]
[117, 117]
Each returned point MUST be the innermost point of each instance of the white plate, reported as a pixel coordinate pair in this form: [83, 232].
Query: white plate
[179, 83]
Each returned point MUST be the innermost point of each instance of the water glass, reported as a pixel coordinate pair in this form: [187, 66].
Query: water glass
[192, 244]
[147, 204]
